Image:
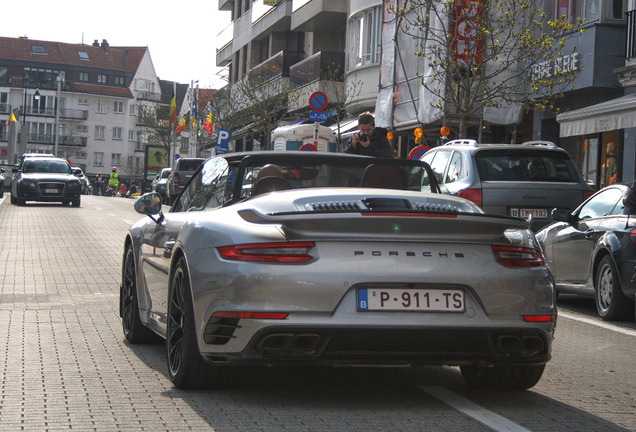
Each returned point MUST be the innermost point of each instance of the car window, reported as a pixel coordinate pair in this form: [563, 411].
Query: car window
[209, 188]
[523, 165]
[604, 203]
[439, 162]
[189, 164]
[454, 168]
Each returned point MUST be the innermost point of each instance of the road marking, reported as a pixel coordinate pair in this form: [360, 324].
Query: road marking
[471, 409]
[601, 324]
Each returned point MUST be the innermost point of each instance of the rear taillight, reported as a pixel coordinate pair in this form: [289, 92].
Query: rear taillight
[176, 178]
[473, 195]
[514, 256]
[289, 252]
[632, 236]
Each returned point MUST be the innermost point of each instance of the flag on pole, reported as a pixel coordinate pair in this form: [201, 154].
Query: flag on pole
[208, 122]
[182, 124]
[195, 115]
[173, 105]
[15, 114]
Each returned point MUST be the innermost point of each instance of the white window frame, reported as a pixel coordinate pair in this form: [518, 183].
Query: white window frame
[115, 159]
[101, 106]
[364, 38]
[117, 133]
[98, 158]
[118, 106]
[100, 132]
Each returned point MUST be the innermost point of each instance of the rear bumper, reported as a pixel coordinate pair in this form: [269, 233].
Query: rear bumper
[394, 346]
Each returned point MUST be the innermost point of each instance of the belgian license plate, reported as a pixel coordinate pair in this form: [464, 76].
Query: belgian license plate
[411, 299]
[51, 191]
[536, 213]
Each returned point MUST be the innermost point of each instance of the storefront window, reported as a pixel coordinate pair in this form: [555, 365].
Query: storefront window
[610, 158]
[571, 10]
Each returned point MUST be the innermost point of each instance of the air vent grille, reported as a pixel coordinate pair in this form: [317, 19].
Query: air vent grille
[334, 206]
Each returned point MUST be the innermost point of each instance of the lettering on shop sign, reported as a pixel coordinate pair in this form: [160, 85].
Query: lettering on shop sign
[606, 124]
[550, 68]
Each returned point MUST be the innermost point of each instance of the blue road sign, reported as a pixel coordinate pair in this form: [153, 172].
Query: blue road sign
[319, 116]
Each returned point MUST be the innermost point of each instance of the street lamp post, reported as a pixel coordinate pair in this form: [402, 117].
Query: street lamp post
[24, 139]
[57, 113]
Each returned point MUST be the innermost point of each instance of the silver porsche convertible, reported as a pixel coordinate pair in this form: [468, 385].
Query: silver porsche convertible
[277, 258]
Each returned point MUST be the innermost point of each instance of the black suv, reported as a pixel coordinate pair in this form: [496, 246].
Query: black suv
[45, 179]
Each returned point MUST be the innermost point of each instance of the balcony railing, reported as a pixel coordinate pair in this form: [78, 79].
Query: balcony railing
[73, 141]
[324, 65]
[74, 114]
[4, 108]
[275, 66]
[631, 34]
[3, 134]
[40, 110]
[149, 96]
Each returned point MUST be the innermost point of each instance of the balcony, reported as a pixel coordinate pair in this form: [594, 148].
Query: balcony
[40, 111]
[4, 108]
[320, 16]
[74, 114]
[274, 67]
[226, 5]
[270, 19]
[224, 46]
[324, 65]
[73, 141]
[149, 96]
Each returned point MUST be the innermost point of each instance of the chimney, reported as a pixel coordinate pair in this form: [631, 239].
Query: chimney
[96, 43]
[105, 45]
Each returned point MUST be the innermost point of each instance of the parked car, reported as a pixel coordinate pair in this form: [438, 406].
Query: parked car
[87, 188]
[278, 258]
[522, 180]
[181, 173]
[45, 179]
[160, 183]
[592, 251]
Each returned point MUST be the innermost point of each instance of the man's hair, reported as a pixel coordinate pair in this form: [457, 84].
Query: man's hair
[366, 118]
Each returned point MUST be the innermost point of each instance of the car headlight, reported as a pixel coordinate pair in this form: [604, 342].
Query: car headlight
[29, 183]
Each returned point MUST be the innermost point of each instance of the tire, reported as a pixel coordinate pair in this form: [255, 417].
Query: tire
[77, 202]
[134, 330]
[611, 303]
[20, 202]
[502, 377]
[186, 366]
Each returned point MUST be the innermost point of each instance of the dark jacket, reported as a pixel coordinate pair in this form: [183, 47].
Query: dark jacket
[379, 146]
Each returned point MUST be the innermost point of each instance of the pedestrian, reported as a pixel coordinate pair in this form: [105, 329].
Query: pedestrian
[371, 141]
[113, 181]
[99, 184]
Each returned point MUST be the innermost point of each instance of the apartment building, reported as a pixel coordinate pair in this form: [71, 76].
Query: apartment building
[99, 90]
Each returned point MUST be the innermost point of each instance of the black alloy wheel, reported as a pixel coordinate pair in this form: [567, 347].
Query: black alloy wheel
[187, 368]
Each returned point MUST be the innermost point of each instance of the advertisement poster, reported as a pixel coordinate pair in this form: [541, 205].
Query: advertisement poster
[157, 158]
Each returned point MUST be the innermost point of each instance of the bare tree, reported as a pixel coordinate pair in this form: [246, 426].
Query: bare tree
[489, 53]
[261, 99]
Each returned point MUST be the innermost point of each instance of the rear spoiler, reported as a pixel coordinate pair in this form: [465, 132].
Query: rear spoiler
[405, 225]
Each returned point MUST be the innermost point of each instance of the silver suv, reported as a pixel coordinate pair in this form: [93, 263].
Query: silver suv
[180, 175]
[521, 180]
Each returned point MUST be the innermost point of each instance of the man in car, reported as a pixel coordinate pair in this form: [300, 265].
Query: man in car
[371, 141]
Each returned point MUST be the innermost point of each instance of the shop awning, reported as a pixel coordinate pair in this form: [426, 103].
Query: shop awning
[619, 113]
[345, 125]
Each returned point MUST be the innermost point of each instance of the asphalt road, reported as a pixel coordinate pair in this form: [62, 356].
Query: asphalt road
[66, 365]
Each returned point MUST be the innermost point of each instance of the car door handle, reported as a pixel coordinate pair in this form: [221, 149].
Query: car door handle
[167, 248]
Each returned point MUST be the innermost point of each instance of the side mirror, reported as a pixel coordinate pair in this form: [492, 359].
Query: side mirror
[148, 204]
[562, 215]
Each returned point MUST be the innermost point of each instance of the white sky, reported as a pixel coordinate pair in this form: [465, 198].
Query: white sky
[180, 34]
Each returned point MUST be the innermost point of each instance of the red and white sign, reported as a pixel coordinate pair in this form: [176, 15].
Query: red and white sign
[468, 17]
